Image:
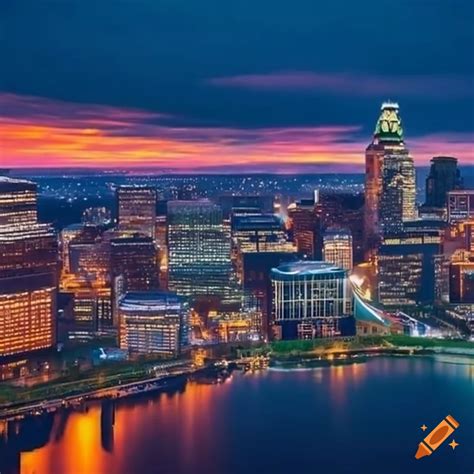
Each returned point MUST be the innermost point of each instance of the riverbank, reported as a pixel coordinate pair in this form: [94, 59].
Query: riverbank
[393, 344]
[120, 380]
[107, 381]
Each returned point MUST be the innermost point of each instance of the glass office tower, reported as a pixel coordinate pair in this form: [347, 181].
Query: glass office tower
[199, 247]
[28, 272]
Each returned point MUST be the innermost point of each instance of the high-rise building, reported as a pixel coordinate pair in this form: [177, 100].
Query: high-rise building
[305, 223]
[245, 204]
[153, 322]
[337, 248]
[257, 285]
[344, 210]
[199, 260]
[67, 234]
[260, 233]
[134, 259]
[406, 268]
[137, 209]
[460, 205]
[87, 278]
[461, 277]
[311, 299]
[389, 175]
[28, 272]
[398, 199]
[444, 176]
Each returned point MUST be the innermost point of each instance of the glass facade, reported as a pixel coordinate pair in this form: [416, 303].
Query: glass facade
[406, 268]
[199, 247]
[337, 248]
[153, 322]
[398, 199]
[311, 299]
[28, 272]
[390, 191]
[137, 209]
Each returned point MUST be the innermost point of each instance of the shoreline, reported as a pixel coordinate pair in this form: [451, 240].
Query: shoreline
[20, 410]
[371, 351]
[148, 384]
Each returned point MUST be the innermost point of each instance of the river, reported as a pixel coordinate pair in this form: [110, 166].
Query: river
[356, 418]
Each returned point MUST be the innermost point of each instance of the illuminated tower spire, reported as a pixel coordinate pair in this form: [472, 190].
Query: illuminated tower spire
[387, 149]
[388, 128]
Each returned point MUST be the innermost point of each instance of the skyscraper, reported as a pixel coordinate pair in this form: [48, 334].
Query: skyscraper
[389, 176]
[406, 267]
[134, 258]
[444, 176]
[28, 272]
[199, 263]
[398, 199]
[260, 233]
[137, 209]
[305, 221]
[461, 277]
[337, 248]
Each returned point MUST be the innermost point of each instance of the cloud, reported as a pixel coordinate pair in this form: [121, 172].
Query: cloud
[36, 132]
[433, 87]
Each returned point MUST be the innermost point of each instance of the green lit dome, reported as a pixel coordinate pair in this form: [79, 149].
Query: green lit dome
[389, 125]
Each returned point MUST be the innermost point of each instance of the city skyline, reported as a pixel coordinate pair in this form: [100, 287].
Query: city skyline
[234, 235]
[254, 89]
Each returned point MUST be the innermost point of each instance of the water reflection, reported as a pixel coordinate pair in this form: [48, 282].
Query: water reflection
[219, 426]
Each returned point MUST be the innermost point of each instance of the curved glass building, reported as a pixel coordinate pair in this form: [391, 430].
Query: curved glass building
[311, 299]
[153, 322]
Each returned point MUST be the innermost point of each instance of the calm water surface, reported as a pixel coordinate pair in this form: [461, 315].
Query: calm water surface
[359, 418]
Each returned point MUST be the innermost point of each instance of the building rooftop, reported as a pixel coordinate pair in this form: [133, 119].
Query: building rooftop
[256, 221]
[8, 183]
[149, 300]
[307, 267]
[462, 191]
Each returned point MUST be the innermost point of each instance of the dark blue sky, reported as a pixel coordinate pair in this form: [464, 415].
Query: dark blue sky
[249, 64]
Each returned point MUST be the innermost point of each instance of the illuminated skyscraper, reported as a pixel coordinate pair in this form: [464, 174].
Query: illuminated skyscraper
[137, 209]
[135, 259]
[398, 200]
[199, 263]
[389, 176]
[406, 267]
[337, 248]
[444, 176]
[461, 277]
[260, 233]
[28, 272]
[67, 234]
[305, 221]
[153, 322]
[87, 277]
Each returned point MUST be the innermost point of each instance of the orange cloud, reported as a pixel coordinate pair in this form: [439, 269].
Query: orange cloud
[43, 133]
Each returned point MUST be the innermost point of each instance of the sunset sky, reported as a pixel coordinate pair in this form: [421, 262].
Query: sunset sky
[255, 85]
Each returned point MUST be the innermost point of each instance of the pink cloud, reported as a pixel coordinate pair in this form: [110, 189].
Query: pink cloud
[353, 84]
[36, 132]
